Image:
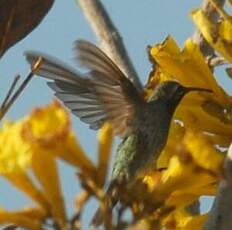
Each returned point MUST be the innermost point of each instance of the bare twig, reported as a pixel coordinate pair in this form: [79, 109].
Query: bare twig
[220, 216]
[10, 91]
[109, 37]
[11, 100]
[15, 95]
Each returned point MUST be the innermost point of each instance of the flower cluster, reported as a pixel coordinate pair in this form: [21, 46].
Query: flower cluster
[33, 144]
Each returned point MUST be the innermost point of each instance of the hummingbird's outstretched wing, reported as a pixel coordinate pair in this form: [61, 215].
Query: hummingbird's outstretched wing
[103, 94]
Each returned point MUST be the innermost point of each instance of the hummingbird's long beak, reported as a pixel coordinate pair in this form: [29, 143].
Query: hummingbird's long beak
[189, 89]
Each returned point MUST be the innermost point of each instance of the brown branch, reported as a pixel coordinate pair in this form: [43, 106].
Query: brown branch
[220, 216]
[8, 101]
[9, 93]
[109, 37]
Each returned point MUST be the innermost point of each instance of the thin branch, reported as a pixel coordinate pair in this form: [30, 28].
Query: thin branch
[109, 37]
[10, 91]
[11, 100]
[15, 96]
[220, 216]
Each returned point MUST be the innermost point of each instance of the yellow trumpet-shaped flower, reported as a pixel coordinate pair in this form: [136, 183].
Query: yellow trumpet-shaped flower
[36, 142]
[49, 129]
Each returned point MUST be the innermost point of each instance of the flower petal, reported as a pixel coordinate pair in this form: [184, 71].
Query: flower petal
[45, 168]
[20, 219]
[15, 155]
[105, 140]
[201, 149]
[217, 35]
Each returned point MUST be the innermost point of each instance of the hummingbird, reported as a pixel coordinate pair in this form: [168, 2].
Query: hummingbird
[105, 94]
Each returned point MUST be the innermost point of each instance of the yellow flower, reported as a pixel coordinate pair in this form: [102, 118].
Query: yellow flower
[48, 129]
[191, 160]
[179, 184]
[11, 159]
[35, 142]
[15, 158]
[188, 66]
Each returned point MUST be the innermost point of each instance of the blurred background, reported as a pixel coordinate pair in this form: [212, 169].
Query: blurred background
[140, 23]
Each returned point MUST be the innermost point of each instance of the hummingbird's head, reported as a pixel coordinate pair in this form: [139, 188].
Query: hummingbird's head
[171, 92]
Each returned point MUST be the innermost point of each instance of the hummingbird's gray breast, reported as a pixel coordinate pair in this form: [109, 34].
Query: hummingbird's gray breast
[141, 148]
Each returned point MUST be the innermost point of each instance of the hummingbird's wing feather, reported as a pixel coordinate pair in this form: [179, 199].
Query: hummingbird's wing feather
[71, 87]
[105, 94]
[120, 97]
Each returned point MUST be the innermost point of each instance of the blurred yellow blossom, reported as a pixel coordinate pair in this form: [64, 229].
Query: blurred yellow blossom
[30, 218]
[15, 158]
[179, 185]
[182, 220]
[105, 139]
[34, 143]
[219, 35]
[189, 68]
[48, 129]
[12, 160]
